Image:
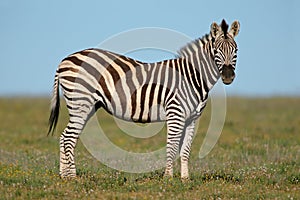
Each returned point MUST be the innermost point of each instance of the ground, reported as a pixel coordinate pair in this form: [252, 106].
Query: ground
[256, 157]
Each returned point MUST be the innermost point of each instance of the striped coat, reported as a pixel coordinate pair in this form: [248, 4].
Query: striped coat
[173, 90]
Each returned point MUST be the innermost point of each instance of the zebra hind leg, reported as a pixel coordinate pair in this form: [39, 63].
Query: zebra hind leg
[68, 141]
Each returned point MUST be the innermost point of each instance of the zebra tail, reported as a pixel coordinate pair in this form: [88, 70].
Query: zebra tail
[55, 104]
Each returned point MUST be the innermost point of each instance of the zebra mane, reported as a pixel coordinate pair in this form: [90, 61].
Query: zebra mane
[195, 44]
[224, 27]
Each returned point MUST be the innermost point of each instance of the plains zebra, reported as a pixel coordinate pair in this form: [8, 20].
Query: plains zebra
[132, 90]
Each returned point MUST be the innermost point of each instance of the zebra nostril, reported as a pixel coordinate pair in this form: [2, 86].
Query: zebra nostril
[227, 74]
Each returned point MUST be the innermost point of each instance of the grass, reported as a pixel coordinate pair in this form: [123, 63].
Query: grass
[256, 157]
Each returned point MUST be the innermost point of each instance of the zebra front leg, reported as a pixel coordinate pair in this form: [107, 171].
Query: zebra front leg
[185, 150]
[175, 125]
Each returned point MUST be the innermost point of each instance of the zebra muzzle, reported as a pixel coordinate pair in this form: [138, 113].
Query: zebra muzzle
[227, 74]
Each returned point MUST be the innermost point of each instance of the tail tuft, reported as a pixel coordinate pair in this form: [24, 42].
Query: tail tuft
[55, 104]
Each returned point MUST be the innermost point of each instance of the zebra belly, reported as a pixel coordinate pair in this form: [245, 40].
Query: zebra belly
[156, 113]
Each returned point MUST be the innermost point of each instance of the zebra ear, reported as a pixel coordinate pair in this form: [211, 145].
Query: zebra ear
[234, 29]
[214, 29]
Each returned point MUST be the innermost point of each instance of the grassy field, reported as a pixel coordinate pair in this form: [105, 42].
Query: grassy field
[256, 157]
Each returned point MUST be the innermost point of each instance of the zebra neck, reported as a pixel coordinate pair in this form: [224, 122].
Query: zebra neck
[199, 53]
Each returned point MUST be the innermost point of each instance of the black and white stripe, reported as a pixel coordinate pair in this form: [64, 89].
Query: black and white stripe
[136, 91]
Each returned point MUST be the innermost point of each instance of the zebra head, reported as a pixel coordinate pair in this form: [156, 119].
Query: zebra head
[225, 49]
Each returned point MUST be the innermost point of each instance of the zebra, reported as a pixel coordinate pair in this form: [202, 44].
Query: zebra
[132, 90]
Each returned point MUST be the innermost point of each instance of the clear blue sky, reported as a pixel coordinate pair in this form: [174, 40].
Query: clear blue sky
[36, 35]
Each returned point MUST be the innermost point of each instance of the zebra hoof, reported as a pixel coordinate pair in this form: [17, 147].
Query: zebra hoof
[67, 176]
[185, 179]
[168, 174]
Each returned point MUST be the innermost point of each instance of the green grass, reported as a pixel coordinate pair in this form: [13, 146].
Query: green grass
[256, 157]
